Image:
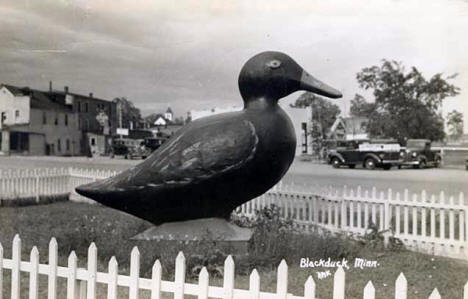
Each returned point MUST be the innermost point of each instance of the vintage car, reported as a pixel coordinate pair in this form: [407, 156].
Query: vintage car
[419, 154]
[129, 148]
[368, 153]
[153, 143]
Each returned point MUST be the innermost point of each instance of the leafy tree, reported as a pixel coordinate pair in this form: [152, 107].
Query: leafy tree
[406, 105]
[130, 113]
[324, 114]
[455, 123]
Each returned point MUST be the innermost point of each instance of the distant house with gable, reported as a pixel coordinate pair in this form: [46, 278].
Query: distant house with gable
[349, 128]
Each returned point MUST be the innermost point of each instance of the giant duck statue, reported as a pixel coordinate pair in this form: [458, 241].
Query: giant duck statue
[214, 164]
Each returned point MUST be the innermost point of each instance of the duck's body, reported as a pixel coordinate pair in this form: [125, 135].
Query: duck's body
[212, 165]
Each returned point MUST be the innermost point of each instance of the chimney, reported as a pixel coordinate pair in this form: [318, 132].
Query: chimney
[90, 94]
[50, 86]
[66, 89]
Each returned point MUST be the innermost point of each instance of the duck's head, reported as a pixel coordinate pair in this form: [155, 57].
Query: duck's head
[270, 76]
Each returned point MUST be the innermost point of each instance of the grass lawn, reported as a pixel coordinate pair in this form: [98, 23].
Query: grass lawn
[75, 225]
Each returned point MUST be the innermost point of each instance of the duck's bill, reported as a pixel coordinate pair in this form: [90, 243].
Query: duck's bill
[311, 84]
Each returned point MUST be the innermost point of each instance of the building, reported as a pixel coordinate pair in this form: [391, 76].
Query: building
[169, 115]
[69, 123]
[349, 128]
[300, 117]
[97, 118]
[33, 124]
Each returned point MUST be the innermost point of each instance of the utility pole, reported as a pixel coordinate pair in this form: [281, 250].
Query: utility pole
[120, 117]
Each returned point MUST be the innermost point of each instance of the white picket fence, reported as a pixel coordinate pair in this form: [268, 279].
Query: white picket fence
[20, 184]
[426, 224]
[430, 224]
[82, 282]
[33, 183]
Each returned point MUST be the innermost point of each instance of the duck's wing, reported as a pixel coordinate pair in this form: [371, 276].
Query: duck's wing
[199, 152]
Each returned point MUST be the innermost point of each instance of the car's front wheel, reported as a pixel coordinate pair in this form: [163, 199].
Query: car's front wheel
[369, 163]
[336, 163]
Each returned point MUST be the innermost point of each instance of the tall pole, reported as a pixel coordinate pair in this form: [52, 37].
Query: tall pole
[120, 117]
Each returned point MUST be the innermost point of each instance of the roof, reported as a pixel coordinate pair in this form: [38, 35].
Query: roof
[17, 91]
[352, 125]
[39, 99]
[169, 110]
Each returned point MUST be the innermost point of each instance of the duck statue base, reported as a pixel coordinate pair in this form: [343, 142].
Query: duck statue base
[227, 236]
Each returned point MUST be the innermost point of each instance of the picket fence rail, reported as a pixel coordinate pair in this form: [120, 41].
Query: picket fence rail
[426, 224]
[82, 282]
[430, 224]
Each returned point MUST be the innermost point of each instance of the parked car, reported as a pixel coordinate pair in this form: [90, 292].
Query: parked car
[368, 153]
[130, 148]
[419, 154]
[153, 143]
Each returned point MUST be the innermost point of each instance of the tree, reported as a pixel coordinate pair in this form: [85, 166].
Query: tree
[324, 114]
[406, 105]
[130, 113]
[455, 124]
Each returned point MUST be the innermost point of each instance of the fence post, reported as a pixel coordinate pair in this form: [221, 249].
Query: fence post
[369, 291]
[36, 175]
[179, 276]
[203, 284]
[53, 256]
[401, 287]
[339, 284]
[72, 283]
[15, 269]
[282, 280]
[92, 269]
[113, 273]
[134, 273]
[309, 288]
[343, 214]
[33, 275]
[435, 294]
[254, 285]
[156, 280]
[229, 273]
[386, 222]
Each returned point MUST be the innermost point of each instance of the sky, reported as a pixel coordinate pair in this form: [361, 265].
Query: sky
[187, 54]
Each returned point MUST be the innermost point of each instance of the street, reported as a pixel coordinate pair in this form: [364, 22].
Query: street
[305, 175]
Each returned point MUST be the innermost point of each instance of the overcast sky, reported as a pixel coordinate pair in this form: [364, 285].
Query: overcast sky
[187, 54]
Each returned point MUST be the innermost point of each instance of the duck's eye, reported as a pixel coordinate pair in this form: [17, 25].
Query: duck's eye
[274, 64]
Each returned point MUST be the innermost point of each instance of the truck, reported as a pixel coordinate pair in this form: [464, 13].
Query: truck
[420, 154]
[370, 154]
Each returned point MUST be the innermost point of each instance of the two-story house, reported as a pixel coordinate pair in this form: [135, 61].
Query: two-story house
[33, 124]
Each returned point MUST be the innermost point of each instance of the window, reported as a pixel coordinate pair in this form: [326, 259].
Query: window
[19, 141]
[56, 119]
[68, 145]
[44, 118]
[79, 106]
[17, 114]
[59, 145]
[66, 119]
[79, 123]
[86, 107]
[93, 141]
